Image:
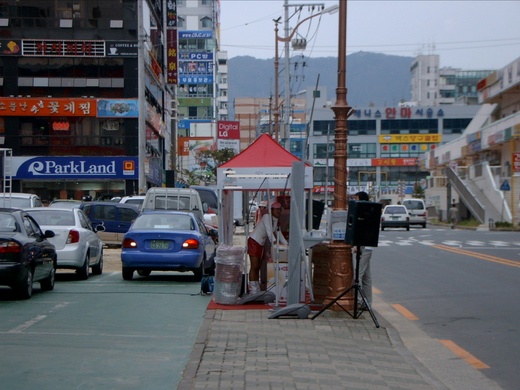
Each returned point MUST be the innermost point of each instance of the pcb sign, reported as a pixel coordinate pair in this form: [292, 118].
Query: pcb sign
[516, 162]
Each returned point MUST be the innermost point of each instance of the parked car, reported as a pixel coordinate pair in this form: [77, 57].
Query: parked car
[77, 244]
[26, 255]
[133, 199]
[65, 203]
[19, 200]
[417, 210]
[395, 216]
[162, 240]
[116, 218]
[209, 199]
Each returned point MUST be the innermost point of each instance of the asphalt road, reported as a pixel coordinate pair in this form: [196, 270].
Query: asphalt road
[461, 288]
[102, 333]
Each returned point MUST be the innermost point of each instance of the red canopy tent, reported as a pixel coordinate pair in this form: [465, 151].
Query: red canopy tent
[263, 165]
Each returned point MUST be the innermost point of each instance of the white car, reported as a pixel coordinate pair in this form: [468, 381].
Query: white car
[133, 199]
[77, 244]
[395, 216]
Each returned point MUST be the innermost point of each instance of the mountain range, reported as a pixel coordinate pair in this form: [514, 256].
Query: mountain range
[373, 79]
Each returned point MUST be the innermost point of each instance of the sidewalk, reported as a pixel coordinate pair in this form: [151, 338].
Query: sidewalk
[244, 349]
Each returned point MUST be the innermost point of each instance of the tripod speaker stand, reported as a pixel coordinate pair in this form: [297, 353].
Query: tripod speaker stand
[362, 230]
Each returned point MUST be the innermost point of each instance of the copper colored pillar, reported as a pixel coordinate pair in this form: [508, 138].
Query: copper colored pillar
[341, 272]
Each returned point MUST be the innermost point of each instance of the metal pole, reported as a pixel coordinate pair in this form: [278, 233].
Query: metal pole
[141, 124]
[276, 64]
[341, 270]
[286, 104]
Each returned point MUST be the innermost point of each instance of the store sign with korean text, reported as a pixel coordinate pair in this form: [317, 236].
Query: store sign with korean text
[72, 167]
[121, 49]
[10, 106]
[410, 138]
[171, 55]
[62, 48]
[516, 162]
[398, 113]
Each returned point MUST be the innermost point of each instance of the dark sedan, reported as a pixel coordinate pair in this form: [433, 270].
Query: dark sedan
[26, 256]
[163, 240]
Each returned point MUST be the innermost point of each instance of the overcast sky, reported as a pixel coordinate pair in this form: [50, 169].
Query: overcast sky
[470, 34]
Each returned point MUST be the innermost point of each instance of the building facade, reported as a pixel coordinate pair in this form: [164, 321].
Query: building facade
[85, 96]
[480, 169]
[432, 85]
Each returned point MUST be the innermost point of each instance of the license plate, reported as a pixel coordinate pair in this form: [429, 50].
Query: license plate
[159, 244]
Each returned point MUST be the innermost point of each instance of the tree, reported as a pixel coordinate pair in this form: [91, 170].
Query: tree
[218, 157]
[418, 191]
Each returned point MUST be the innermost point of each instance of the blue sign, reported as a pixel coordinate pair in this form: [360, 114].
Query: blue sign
[505, 186]
[204, 34]
[69, 167]
[117, 108]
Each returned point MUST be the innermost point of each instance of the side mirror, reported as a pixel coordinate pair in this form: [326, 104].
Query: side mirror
[100, 228]
[48, 234]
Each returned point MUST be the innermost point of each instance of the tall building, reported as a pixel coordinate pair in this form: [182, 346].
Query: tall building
[202, 90]
[432, 85]
[86, 96]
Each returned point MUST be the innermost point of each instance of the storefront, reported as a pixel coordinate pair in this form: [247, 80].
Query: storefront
[72, 177]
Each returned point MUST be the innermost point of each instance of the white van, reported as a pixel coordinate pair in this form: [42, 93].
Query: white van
[172, 198]
[416, 210]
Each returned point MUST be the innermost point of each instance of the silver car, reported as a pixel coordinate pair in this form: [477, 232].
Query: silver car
[77, 244]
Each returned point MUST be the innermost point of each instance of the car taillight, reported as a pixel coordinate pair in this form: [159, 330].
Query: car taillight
[421, 215]
[10, 247]
[73, 237]
[129, 243]
[190, 244]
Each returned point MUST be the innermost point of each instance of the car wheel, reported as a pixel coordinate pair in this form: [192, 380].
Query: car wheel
[83, 271]
[144, 272]
[408, 228]
[47, 284]
[25, 288]
[382, 228]
[98, 268]
[424, 226]
[128, 273]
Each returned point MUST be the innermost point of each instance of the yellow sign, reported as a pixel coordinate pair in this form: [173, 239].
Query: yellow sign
[410, 138]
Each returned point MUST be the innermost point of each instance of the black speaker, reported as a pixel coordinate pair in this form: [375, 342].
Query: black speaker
[363, 221]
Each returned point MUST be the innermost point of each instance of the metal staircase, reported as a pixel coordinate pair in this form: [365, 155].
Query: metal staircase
[477, 202]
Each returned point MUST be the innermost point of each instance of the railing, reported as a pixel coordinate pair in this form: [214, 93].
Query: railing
[469, 199]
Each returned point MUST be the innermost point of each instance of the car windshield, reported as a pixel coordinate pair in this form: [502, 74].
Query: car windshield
[395, 210]
[51, 217]
[413, 205]
[164, 221]
[7, 223]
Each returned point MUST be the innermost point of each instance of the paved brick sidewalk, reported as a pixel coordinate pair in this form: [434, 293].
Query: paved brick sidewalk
[243, 349]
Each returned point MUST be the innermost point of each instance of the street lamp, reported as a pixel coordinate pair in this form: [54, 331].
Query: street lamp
[340, 254]
[276, 111]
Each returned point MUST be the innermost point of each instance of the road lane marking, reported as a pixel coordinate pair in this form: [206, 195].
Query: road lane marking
[405, 312]
[27, 324]
[482, 256]
[464, 355]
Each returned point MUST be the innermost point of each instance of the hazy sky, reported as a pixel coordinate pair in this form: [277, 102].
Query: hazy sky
[470, 34]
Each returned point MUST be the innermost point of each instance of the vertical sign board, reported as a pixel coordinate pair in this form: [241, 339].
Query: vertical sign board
[516, 162]
[228, 135]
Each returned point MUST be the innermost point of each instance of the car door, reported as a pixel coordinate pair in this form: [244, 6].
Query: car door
[42, 251]
[105, 214]
[125, 217]
[94, 242]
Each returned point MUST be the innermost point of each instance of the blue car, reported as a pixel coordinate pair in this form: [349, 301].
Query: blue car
[165, 240]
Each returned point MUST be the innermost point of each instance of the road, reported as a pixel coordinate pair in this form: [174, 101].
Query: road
[461, 287]
[102, 333]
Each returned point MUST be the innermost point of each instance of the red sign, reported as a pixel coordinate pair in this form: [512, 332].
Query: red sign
[516, 162]
[47, 106]
[394, 162]
[228, 130]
